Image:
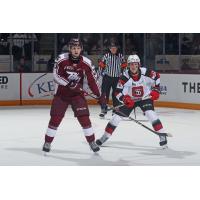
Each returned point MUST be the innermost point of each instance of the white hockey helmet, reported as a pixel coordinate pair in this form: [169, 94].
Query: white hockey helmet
[133, 59]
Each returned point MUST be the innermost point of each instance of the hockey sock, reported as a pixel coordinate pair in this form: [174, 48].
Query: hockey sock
[109, 129]
[89, 134]
[112, 124]
[50, 134]
[157, 125]
[87, 128]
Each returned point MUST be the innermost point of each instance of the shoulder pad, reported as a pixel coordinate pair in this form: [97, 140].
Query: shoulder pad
[143, 70]
[87, 61]
[62, 56]
[126, 74]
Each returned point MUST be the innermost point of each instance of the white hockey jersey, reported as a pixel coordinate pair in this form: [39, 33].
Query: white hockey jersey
[148, 80]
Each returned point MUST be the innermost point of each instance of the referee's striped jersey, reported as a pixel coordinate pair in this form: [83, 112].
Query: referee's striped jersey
[113, 64]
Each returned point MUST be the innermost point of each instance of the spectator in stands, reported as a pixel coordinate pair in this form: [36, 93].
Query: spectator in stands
[4, 45]
[196, 44]
[130, 46]
[65, 49]
[22, 66]
[96, 48]
[186, 46]
[28, 44]
[18, 45]
[171, 43]
[50, 63]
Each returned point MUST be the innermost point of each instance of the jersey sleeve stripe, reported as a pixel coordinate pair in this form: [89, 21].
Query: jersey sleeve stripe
[58, 79]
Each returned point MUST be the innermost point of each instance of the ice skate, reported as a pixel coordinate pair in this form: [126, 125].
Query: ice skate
[163, 142]
[94, 146]
[46, 148]
[102, 115]
[103, 112]
[103, 139]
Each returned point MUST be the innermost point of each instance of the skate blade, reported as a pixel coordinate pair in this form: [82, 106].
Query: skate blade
[163, 147]
[45, 154]
[102, 117]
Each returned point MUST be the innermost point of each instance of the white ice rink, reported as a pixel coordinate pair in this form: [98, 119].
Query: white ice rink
[23, 128]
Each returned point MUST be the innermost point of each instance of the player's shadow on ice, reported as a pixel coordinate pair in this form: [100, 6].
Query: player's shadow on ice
[149, 150]
[94, 159]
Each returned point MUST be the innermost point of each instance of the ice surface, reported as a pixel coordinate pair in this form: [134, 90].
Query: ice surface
[23, 128]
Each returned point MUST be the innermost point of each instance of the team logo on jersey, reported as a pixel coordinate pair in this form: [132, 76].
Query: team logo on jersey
[73, 76]
[138, 92]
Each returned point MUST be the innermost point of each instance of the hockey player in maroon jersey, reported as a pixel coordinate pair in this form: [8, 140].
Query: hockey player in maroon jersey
[137, 87]
[69, 72]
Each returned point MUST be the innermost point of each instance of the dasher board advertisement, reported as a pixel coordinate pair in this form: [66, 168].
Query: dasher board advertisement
[37, 86]
[183, 88]
[9, 86]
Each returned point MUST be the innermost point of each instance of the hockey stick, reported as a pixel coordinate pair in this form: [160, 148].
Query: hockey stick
[132, 119]
[109, 108]
[134, 113]
[141, 124]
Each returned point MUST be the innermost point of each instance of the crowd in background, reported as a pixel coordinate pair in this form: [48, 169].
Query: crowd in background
[24, 45]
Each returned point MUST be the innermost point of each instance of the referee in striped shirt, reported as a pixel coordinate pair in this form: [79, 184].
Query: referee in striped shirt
[111, 65]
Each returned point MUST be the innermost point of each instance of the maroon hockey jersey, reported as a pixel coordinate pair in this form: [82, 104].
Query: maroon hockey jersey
[65, 72]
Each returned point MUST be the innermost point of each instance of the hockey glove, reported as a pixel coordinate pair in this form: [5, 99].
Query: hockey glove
[128, 102]
[76, 87]
[154, 95]
[124, 65]
[101, 64]
[102, 99]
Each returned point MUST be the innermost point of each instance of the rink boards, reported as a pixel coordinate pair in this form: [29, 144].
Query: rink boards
[177, 90]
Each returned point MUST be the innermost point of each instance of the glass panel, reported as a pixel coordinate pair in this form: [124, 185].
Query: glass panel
[92, 46]
[154, 46]
[44, 52]
[190, 50]
[5, 62]
[134, 44]
[112, 37]
[196, 44]
[62, 41]
[91, 43]
[25, 46]
[172, 43]
[186, 43]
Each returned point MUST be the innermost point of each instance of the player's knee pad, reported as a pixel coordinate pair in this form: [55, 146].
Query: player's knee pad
[84, 121]
[115, 120]
[55, 121]
[151, 115]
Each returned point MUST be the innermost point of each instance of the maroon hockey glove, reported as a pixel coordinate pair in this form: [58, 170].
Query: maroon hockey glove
[154, 95]
[129, 103]
[76, 87]
[102, 99]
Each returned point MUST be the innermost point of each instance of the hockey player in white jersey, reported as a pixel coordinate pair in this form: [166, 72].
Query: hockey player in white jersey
[137, 87]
